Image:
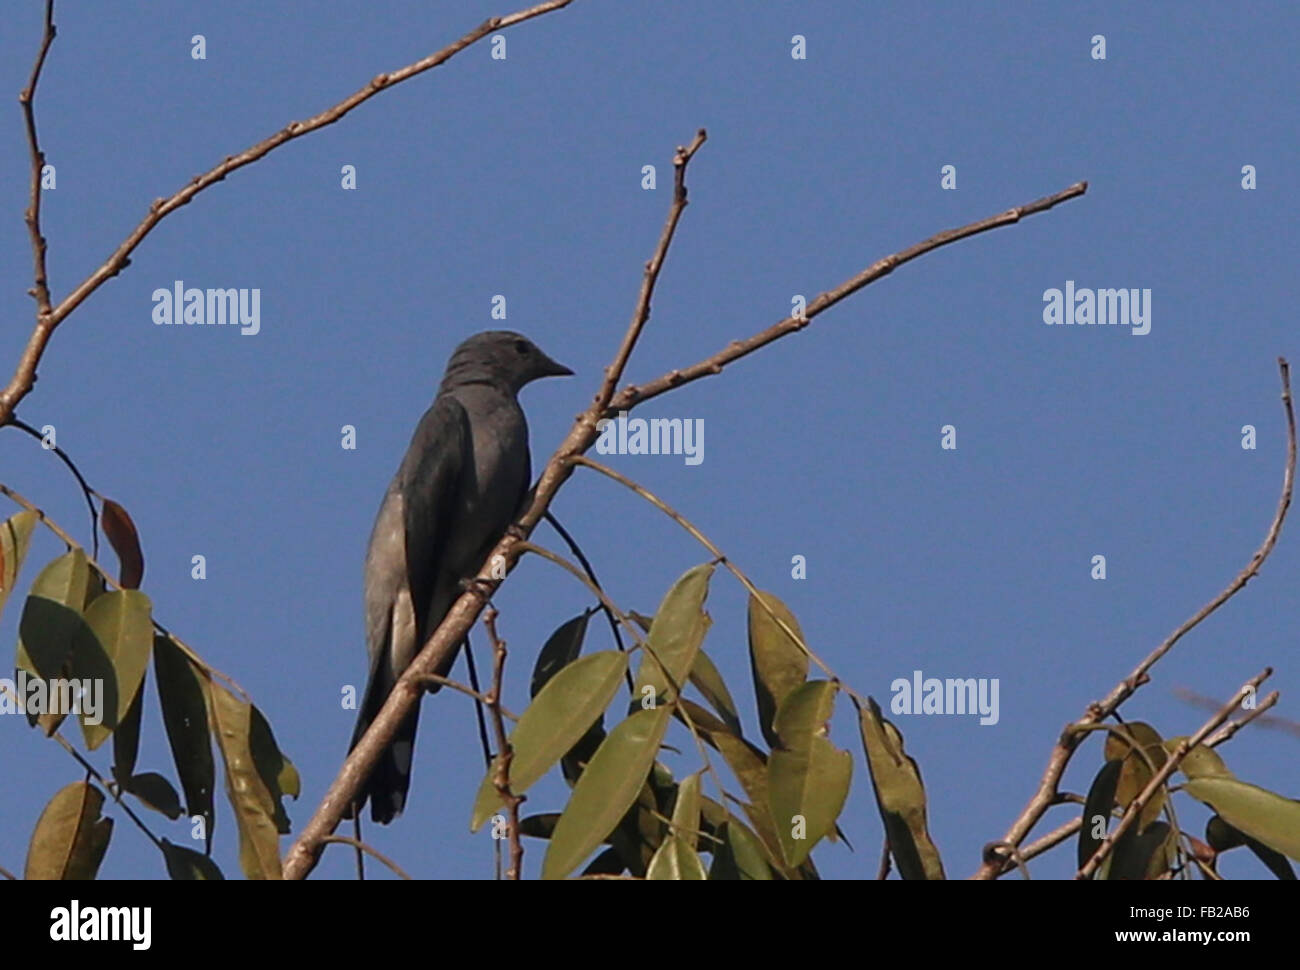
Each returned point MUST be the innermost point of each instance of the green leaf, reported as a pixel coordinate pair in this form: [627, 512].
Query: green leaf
[259, 840]
[183, 863]
[675, 860]
[749, 764]
[608, 863]
[51, 619]
[808, 778]
[1221, 837]
[156, 792]
[609, 786]
[50, 632]
[561, 649]
[1098, 805]
[900, 796]
[15, 537]
[1142, 855]
[122, 626]
[556, 720]
[126, 740]
[275, 769]
[1256, 812]
[1274, 861]
[539, 826]
[643, 828]
[675, 637]
[1201, 762]
[740, 856]
[185, 717]
[686, 810]
[778, 662]
[707, 680]
[1136, 773]
[805, 713]
[70, 837]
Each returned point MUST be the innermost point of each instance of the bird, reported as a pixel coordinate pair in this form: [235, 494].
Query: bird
[459, 486]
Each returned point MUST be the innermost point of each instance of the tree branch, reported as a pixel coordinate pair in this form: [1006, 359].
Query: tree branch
[505, 753]
[49, 319]
[632, 395]
[1168, 768]
[1074, 734]
[27, 98]
[369, 850]
[301, 857]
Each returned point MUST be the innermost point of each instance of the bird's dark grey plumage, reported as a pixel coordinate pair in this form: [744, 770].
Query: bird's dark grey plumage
[458, 488]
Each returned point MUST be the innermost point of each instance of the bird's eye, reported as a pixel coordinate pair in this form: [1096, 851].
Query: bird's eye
[521, 347]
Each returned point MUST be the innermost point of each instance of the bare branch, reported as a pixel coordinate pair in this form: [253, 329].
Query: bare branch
[27, 98]
[86, 490]
[1074, 733]
[369, 850]
[1226, 732]
[505, 753]
[632, 395]
[1168, 768]
[614, 372]
[467, 691]
[48, 319]
[586, 580]
[1271, 722]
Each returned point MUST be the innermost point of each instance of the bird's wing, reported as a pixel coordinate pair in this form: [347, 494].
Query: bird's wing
[411, 532]
[438, 468]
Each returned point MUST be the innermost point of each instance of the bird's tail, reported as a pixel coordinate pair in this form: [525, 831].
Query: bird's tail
[390, 779]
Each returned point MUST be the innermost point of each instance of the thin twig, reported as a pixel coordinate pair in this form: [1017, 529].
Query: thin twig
[1097, 712]
[632, 395]
[361, 852]
[48, 319]
[605, 601]
[27, 98]
[614, 372]
[506, 753]
[81, 480]
[1271, 722]
[591, 573]
[113, 790]
[369, 850]
[722, 558]
[1226, 732]
[466, 690]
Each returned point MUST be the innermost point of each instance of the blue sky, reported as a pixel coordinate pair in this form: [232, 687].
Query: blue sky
[522, 177]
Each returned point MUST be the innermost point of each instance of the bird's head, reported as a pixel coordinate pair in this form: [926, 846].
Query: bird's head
[500, 357]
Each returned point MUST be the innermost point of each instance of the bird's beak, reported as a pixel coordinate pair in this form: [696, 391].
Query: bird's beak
[550, 368]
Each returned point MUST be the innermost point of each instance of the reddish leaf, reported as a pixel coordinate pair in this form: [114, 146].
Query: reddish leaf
[120, 531]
